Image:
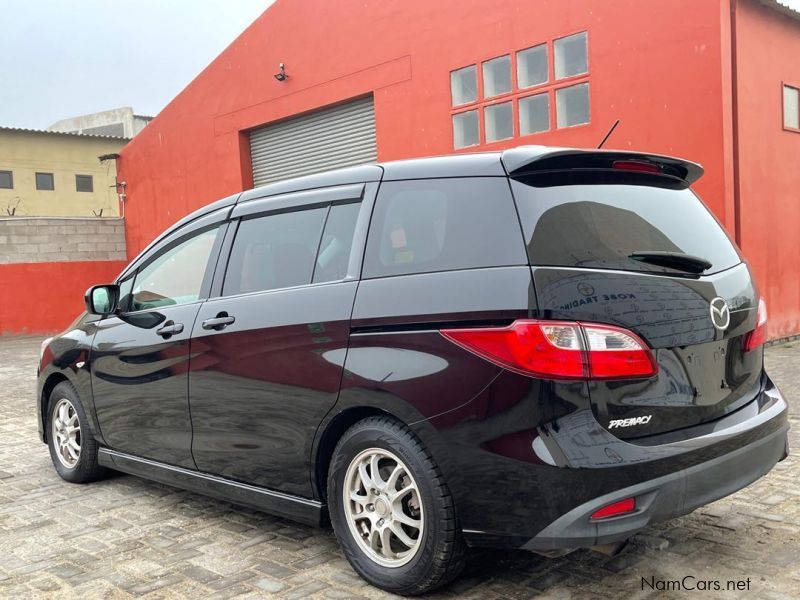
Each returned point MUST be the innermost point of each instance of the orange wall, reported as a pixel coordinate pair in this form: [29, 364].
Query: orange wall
[656, 66]
[768, 54]
[43, 298]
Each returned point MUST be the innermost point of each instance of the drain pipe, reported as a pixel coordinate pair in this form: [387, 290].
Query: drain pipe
[737, 205]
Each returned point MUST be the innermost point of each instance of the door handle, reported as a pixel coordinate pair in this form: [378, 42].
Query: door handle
[220, 322]
[169, 329]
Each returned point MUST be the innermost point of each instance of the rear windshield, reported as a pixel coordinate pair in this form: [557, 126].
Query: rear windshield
[600, 226]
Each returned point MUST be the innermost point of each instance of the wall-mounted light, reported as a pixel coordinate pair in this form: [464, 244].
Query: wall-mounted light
[281, 75]
[122, 187]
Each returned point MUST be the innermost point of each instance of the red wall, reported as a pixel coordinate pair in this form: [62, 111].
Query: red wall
[768, 54]
[655, 66]
[43, 298]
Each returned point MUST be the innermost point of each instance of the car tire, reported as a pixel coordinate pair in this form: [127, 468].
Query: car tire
[73, 449]
[402, 535]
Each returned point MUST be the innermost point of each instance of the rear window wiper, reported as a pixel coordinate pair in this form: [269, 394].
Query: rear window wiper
[674, 260]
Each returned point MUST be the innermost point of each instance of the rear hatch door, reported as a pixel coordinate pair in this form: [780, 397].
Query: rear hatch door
[638, 249]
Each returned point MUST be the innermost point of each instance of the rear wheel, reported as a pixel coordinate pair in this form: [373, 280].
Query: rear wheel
[73, 450]
[391, 509]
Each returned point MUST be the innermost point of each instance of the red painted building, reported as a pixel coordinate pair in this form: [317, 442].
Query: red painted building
[714, 81]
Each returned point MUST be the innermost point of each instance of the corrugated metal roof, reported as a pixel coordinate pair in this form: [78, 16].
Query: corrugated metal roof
[45, 131]
[790, 8]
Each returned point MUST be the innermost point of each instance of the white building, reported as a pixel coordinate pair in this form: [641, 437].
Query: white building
[117, 122]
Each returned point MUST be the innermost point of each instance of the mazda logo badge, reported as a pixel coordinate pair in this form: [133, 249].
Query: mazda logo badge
[720, 313]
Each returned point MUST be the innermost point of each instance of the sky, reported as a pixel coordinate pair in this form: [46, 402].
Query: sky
[63, 58]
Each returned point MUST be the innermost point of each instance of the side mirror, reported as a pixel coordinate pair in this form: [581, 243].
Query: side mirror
[102, 299]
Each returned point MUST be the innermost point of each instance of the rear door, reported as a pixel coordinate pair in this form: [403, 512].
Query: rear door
[594, 245]
[268, 348]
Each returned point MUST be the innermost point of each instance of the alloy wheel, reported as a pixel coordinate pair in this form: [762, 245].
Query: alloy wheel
[383, 507]
[66, 431]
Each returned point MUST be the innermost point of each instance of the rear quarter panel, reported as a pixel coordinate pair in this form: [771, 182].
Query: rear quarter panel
[398, 361]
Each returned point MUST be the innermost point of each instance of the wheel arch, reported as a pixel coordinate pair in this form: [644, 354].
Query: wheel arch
[332, 432]
[334, 426]
[44, 399]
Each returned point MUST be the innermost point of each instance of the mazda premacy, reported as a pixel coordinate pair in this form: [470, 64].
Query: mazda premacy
[543, 349]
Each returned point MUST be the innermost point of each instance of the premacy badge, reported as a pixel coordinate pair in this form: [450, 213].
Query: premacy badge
[643, 420]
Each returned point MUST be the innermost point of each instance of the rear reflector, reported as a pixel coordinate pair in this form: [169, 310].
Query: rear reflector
[635, 165]
[560, 349]
[758, 336]
[613, 510]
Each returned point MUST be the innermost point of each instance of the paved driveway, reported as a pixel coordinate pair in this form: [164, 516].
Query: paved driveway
[124, 537]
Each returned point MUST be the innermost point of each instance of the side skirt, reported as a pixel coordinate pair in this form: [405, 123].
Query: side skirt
[303, 510]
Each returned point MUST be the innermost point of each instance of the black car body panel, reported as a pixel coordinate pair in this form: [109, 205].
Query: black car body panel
[248, 400]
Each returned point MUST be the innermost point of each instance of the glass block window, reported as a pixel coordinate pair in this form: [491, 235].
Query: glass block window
[542, 86]
[791, 107]
[464, 85]
[497, 76]
[534, 114]
[465, 129]
[532, 66]
[571, 56]
[499, 122]
[572, 105]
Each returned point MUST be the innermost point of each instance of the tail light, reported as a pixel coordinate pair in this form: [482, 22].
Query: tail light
[622, 507]
[758, 336]
[560, 349]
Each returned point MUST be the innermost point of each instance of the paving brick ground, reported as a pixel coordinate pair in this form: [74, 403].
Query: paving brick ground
[125, 537]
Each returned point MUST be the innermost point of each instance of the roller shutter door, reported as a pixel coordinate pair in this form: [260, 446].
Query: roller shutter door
[339, 136]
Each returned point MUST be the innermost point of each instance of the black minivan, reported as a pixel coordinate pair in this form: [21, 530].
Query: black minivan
[543, 349]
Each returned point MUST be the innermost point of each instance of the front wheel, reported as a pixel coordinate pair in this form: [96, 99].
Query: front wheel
[391, 510]
[72, 447]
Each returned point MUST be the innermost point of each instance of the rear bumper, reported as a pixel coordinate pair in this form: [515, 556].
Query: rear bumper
[665, 497]
[546, 502]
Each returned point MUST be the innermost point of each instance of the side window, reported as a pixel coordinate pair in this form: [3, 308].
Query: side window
[274, 251]
[443, 225]
[337, 240]
[175, 276]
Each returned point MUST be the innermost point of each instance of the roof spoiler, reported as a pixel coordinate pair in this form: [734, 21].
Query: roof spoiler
[533, 160]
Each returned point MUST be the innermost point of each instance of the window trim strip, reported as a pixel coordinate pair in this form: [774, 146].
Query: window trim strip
[298, 200]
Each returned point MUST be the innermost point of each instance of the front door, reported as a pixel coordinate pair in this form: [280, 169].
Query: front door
[140, 357]
[268, 352]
